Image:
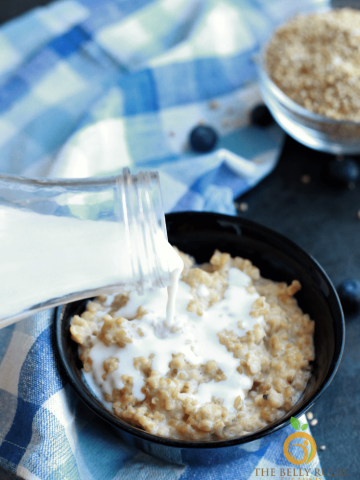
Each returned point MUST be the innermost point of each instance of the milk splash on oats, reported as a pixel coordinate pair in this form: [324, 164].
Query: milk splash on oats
[161, 335]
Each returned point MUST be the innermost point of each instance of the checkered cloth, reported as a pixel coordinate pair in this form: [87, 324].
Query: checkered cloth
[121, 83]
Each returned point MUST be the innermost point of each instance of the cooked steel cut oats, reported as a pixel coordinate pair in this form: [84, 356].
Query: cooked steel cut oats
[235, 359]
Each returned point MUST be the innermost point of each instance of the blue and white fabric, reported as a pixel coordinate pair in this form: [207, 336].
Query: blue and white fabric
[86, 88]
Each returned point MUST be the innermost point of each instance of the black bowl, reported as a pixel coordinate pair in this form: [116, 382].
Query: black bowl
[199, 234]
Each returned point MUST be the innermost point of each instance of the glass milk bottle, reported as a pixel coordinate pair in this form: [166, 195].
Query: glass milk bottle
[64, 240]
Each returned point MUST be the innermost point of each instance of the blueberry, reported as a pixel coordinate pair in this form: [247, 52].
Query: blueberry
[342, 173]
[203, 138]
[261, 116]
[349, 294]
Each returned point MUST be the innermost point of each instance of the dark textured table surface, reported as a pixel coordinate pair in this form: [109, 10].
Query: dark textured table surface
[323, 221]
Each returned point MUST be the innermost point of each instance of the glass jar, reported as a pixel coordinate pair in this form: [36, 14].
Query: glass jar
[64, 240]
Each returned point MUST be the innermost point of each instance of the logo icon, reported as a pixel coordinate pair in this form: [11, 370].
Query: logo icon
[308, 446]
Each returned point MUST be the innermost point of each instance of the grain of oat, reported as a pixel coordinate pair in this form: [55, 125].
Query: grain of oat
[241, 122]
[322, 447]
[305, 179]
[314, 422]
[310, 416]
[243, 207]
[214, 105]
[314, 59]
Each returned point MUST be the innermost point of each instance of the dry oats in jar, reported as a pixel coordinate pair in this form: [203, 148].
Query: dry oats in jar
[235, 358]
[314, 60]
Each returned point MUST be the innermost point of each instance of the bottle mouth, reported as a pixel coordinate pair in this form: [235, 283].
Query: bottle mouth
[140, 209]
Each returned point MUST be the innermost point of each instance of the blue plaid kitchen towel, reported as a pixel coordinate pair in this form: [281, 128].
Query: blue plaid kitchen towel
[86, 88]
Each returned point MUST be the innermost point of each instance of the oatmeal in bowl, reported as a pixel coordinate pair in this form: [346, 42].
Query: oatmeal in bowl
[234, 359]
[256, 337]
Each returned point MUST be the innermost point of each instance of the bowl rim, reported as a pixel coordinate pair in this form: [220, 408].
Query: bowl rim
[267, 82]
[272, 428]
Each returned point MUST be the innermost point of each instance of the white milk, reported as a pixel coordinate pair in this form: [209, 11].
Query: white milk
[196, 338]
[44, 257]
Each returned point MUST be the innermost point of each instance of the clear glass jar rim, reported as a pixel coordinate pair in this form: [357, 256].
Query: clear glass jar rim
[68, 182]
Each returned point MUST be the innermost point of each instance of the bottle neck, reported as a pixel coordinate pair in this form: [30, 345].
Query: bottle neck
[140, 210]
[65, 240]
